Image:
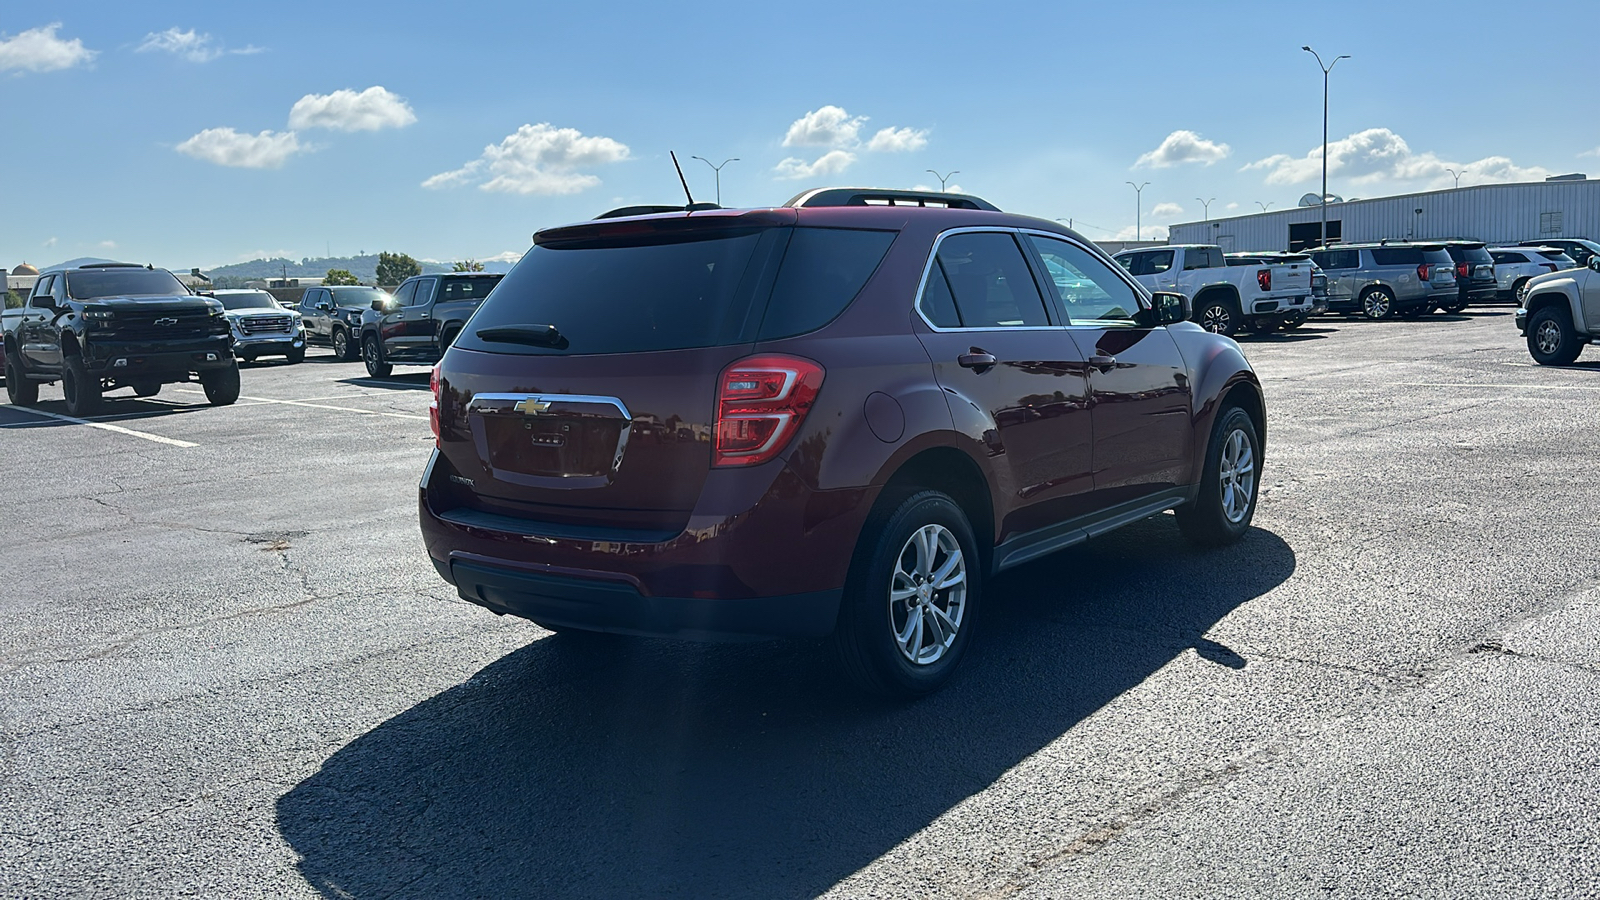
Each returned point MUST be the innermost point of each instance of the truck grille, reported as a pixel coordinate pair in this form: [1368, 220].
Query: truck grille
[165, 325]
[265, 324]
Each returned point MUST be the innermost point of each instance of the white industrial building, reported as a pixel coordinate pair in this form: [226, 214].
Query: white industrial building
[1566, 207]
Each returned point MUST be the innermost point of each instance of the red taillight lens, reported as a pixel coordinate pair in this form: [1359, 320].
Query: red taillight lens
[1551, 266]
[761, 402]
[1463, 270]
[1264, 278]
[1423, 271]
[433, 408]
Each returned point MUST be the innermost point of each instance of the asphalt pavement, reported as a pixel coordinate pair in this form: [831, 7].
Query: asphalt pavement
[228, 669]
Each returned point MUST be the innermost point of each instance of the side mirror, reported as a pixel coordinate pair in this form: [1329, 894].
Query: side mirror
[323, 306]
[379, 305]
[1166, 308]
[44, 301]
[1594, 263]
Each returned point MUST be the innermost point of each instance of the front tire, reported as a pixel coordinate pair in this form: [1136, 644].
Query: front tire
[1218, 317]
[81, 390]
[295, 355]
[1222, 511]
[221, 385]
[372, 355]
[1377, 304]
[343, 349]
[19, 390]
[1552, 341]
[909, 606]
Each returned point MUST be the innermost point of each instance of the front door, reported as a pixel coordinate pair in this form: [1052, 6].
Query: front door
[1014, 380]
[1140, 396]
[1589, 291]
[392, 321]
[416, 318]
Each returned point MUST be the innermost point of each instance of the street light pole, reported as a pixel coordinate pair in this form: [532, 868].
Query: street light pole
[943, 178]
[1323, 200]
[1207, 205]
[718, 170]
[1138, 207]
[1456, 174]
[1066, 220]
[1264, 206]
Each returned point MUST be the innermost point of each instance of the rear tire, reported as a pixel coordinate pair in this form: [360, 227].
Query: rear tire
[910, 604]
[1552, 341]
[1377, 304]
[1454, 306]
[221, 385]
[1218, 317]
[19, 390]
[1226, 503]
[1519, 291]
[82, 391]
[372, 355]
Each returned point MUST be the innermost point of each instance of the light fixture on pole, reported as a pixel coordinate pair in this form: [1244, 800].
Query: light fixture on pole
[1138, 207]
[718, 170]
[1207, 205]
[1322, 199]
[943, 178]
[1066, 220]
[1264, 206]
[1456, 174]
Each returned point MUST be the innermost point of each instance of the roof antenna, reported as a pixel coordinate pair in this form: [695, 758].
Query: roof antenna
[690, 208]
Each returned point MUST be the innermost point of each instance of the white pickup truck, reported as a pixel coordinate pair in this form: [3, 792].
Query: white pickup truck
[1226, 299]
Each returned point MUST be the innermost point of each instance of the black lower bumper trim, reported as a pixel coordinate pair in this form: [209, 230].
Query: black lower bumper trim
[617, 607]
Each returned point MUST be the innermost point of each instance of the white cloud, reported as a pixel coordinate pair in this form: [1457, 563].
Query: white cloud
[1231, 206]
[1378, 156]
[189, 45]
[829, 126]
[830, 163]
[1183, 147]
[39, 50]
[1166, 211]
[346, 110]
[227, 147]
[898, 140]
[536, 159]
[108, 245]
[953, 189]
[51, 242]
[1145, 233]
[510, 256]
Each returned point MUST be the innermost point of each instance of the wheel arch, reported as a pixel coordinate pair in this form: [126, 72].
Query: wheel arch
[1229, 294]
[1547, 296]
[70, 345]
[948, 470]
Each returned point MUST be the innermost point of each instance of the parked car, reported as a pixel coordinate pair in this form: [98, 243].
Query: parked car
[1387, 279]
[260, 326]
[1514, 267]
[332, 316]
[1319, 280]
[421, 320]
[1561, 314]
[839, 416]
[1475, 278]
[108, 325]
[1226, 299]
[1579, 249]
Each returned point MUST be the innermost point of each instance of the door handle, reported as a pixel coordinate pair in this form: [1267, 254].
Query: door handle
[1103, 363]
[977, 360]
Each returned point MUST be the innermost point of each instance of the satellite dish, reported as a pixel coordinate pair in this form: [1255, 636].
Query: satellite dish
[1315, 200]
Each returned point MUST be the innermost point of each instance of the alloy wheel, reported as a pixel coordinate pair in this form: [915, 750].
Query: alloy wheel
[1216, 319]
[928, 594]
[341, 344]
[1377, 304]
[1237, 474]
[1548, 337]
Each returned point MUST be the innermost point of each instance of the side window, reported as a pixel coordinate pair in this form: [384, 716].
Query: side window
[1158, 262]
[990, 281]
[41, 289]
[1133, 262]
[58, 289]
[424, 292]
[406, 294]
[1088, 289]
[938, 304]
[1337, 259]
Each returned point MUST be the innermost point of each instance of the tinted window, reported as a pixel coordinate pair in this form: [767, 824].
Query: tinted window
[938, 304]
[631, 295]
[1397, 256]
[423, 294]
[1503, 258]
[1462, 253]
[823, 270]
[41, 290]
[476, 287]
[1435, 257]
[1087, 289]
[1337, 259]
[991, 281]
[1559, 258]
[356, 296]
[406, 294]
[86, 284]
[252, 300]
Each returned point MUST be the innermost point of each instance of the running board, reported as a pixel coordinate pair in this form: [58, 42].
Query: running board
[1045, 541]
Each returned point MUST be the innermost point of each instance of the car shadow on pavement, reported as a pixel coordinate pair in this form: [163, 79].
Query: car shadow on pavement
[117, 407]
[399, 381]
[599, 767]
[1298, 335]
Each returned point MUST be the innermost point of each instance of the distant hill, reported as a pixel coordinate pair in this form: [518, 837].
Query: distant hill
[74, 263]
[363, 267]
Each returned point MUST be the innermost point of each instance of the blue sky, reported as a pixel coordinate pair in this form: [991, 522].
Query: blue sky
[202, 133]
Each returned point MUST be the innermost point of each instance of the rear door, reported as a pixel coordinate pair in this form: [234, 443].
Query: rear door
[996, 350]
[1140, 395]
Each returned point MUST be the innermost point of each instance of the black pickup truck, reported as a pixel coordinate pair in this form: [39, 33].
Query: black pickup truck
[421, 320]
[111, 325]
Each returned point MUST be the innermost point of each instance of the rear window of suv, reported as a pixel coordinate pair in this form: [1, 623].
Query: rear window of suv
[679, 292]
[1397, 256]
[1463, 253]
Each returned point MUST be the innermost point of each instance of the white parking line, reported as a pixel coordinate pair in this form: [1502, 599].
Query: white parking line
[364, 412]
[1509, 387]
[106, 426]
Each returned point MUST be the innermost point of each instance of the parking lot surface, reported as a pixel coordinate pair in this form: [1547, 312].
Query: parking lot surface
[228, 669]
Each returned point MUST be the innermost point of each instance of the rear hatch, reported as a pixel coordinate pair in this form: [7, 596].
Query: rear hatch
[1474, 265]
[584, 390]
[1293, 278]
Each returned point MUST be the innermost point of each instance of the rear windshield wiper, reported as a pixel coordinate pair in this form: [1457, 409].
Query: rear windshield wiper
[532, 335]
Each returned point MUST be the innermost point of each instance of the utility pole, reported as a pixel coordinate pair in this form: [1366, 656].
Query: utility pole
[718, 171]
[1138, 207]
[1323, 199]
[943, 179]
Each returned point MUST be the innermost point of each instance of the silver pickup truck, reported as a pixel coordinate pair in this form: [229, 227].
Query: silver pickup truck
[1226, 299]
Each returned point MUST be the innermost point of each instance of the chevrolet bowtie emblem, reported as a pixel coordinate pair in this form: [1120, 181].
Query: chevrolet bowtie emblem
[167, 321]
[533, 406]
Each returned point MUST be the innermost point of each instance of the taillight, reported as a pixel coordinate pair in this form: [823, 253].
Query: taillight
[1463, 271]
[433, 408]
[1551, 266]
[761, 402]
[1423, 271]
[1264, 278]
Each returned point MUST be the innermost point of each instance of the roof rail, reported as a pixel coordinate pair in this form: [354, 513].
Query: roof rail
[651, 209]
[888, 197]
[112, 265]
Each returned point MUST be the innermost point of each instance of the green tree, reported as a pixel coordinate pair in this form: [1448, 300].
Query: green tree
[470, 265]
[339, 276]
[13, 300]
[394, 268]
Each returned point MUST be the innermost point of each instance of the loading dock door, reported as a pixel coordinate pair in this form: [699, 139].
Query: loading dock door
[1309, 234]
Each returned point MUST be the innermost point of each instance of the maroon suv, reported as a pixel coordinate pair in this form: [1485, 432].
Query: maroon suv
[840, 416]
